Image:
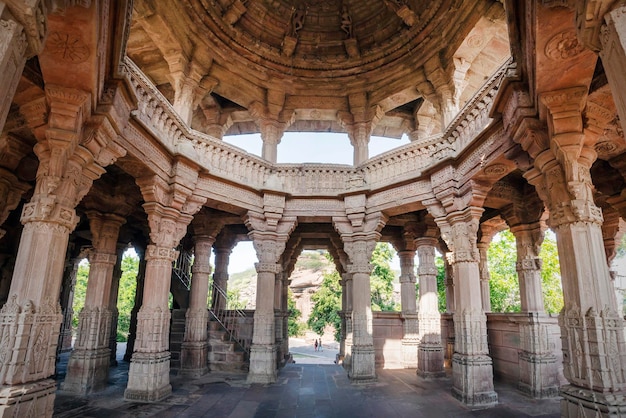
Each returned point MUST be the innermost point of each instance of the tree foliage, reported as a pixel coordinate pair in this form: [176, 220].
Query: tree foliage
[504, 284]
[294, 326]
[382, 277]
[126, 293]
[327, 304]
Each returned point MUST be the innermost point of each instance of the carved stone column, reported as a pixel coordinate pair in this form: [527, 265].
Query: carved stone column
[345, 348]
[362, 362]
[269, 232]
[271, 134]
[140, 280]
[410, 337]
[263, 353]
[430, 352]
[279, 315]
[528, 239]
[31, 319]
[195, 348]
[537, 362]
[450, 302]
[483, 267]
[67, 300]
[594, 352]
[220, 276]
[359, 135]
[88, 366]
[115, 288]
[148, 376]
[472, 373]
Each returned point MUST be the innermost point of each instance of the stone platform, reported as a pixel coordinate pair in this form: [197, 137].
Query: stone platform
[302, 390]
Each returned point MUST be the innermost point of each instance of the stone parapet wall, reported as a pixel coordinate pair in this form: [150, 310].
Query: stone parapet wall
[231, 163]
[503, 331]
[387, 330]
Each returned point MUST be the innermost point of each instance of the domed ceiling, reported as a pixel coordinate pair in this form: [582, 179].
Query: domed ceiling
[227, 66]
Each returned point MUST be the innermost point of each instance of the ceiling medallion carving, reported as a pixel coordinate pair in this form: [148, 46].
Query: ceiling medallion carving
[563, 45]
[495, 170]
[68, 47]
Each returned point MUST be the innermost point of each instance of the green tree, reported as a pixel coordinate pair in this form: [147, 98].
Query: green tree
[126, 294]
[327, 304]
[551, 274]
[80, 290]
[294, 326]
[504, 286]
[382, 277]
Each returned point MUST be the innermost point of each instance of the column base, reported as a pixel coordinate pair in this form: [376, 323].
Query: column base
[538, 375]
[430, 361]
[149, 377]
[194, 357]
[580, 402]
[362, 364]
[262, 364]
[409, 354]
[472, 381]
[87, 371]
[35, 399]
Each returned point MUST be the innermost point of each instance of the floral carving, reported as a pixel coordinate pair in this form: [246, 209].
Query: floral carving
[563, 46]
[68, 47]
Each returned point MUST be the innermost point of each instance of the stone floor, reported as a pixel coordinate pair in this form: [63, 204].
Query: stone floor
[302, 390]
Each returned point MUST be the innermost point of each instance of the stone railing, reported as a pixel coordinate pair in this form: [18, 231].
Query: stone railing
[231, 163]
[409, 161]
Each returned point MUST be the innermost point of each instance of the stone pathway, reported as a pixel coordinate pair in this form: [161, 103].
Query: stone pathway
[302, 390]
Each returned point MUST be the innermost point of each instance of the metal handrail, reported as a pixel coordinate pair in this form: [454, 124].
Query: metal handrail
[229, 319]
[182, 267]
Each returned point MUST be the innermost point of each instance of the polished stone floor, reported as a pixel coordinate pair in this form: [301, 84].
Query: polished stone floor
[303, 389]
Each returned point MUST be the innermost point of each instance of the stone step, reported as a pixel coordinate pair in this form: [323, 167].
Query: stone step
[220, 366]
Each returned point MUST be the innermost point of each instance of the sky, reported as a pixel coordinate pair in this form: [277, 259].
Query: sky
[299, 147]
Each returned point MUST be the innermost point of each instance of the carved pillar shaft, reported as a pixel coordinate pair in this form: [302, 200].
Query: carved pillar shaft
[88, 366]
[132, 329]
[115, 287]
[450, 303]
[67, 301]
[360, 138]
[263, 351]
[528, 240]
[195, 348]
[430, 353]
[362, 361]
[409, 309]
[484, 276]
[471, 365]
[151, 359]
[220, 276]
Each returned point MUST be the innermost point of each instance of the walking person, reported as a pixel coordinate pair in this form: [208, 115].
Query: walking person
[320, 346]
[316, 344]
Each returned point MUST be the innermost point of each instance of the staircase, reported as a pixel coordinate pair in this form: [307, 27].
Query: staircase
[228, 349]
[225, 354]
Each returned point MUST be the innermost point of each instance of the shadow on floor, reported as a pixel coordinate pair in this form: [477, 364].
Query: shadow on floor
[302, 390]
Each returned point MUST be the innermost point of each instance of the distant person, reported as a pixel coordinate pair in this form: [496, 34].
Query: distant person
[320, 346]
[316, 344]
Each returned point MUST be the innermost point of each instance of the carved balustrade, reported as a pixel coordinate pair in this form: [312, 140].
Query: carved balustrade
[234, 164]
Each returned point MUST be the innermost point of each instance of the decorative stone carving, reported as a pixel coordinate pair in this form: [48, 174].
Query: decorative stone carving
[563, 46]
[430, 351]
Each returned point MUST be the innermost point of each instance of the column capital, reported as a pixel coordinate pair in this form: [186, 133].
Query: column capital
[426, 242]
[155, 252]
